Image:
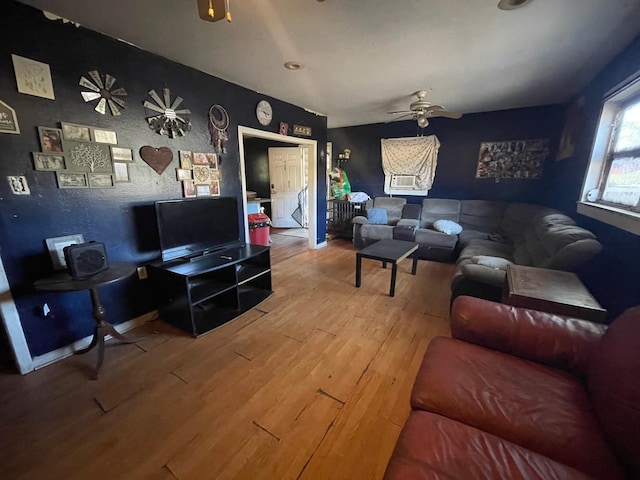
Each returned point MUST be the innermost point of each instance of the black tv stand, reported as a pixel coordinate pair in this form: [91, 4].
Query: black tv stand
[203, 292]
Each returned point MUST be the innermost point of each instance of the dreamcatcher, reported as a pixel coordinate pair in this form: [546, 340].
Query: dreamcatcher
[218, 124]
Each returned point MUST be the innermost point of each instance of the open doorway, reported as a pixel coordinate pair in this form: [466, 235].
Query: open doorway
[310, 146]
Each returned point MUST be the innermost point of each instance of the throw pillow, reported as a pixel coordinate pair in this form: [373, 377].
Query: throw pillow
[489, 261]
[377, 216]
[447, 226]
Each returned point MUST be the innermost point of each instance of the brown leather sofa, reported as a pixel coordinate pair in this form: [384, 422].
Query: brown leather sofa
[523, 394]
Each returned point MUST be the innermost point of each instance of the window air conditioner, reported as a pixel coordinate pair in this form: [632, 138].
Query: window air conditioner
[403, 181]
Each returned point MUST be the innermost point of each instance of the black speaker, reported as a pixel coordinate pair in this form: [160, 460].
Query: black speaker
[86, 259]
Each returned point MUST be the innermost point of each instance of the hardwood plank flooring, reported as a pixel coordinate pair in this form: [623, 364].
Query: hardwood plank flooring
[311, 384]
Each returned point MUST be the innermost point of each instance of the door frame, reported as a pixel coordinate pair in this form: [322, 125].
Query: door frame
[312, 175]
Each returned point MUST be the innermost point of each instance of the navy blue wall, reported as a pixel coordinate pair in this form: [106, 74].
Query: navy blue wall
[123, 218]
[612, 276]
[458, 156]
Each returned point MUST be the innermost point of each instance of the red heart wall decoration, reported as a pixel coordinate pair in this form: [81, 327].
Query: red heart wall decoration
[157, 158]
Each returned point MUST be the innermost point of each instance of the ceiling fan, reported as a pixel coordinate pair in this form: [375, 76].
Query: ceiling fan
[214, 10]
[421, 110]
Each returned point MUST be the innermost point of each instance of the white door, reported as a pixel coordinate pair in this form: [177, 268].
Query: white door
[287, 181]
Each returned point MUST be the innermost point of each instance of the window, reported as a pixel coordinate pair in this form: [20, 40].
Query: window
[611, 190]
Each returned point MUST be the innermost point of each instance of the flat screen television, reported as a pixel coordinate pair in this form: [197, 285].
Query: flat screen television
[195, 226]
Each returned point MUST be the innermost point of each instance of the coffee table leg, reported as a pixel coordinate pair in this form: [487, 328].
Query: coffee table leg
[394, 269]
[414, 268]
[358, 267]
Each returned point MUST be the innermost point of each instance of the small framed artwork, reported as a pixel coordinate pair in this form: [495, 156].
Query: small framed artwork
[200, 159]
[48, 161]
[104, 136]
[189, 188]
[56, 248]
[214, 189]
[183, 174]
[33, 77]
[72, 180]
[186, 159]
[212, 160]
[79, 133]
[50, 139]
[19, 185]
[201, 174]
[214, 175]
[203, 191]
[121, 172]
[8, 119]
[119, 154]
[284, 128]
[89, 157]
[101, 180]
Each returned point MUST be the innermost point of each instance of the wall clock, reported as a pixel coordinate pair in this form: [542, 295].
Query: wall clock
[169, 121]
[103, 89]
[264, 113]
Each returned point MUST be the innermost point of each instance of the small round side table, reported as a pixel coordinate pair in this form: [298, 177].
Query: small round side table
[64, 282]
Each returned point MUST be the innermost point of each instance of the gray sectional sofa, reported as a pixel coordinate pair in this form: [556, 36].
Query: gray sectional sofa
[493, 235]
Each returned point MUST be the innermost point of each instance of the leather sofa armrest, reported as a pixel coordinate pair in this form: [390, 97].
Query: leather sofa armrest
[484, 274]
[542, 337]
[360, 220]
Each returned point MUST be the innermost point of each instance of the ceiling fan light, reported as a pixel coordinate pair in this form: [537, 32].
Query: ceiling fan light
[422, 119]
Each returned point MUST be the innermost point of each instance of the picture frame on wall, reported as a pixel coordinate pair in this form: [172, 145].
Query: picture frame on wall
[50, 139]
[189, 188]
[120, 154]
[214, 189]
[33, 77]
[88, 157]
[101, 180]
[100, 135]
[183, 174]
[72, 180]
[56, 245]
[186, 159]
[79, 133]
[203, 190]
[49, 161]
[121, 172]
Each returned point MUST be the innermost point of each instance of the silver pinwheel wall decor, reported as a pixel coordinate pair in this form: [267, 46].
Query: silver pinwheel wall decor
[104, 91]
[169, 120]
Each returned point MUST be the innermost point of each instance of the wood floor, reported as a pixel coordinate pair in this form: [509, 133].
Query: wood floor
[312, 384]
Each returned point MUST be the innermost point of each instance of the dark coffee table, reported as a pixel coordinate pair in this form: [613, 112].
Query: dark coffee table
[392, 251]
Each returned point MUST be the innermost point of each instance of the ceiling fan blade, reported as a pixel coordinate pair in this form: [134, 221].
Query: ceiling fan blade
[400, 111]
[218, 10]
[409, 114]
[445, 114]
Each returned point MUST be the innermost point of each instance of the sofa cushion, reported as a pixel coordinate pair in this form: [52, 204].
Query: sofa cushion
[439, 208]
[537, 407]
[447, 226]
[481, 215]
[432, 238]
[393, 206]
[434, 447]
[613, 376]
[488, 248]
[377, 216]
[376, 232]
[518, 216]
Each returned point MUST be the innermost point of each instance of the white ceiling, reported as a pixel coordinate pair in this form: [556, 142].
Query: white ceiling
[367, 57]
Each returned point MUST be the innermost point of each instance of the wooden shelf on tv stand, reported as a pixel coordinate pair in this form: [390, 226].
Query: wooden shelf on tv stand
[201, 293]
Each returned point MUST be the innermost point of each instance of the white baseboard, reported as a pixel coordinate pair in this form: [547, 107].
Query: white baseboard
[321, 244]
[66, 351]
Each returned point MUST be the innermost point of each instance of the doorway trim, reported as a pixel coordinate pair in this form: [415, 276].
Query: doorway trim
[312, 166]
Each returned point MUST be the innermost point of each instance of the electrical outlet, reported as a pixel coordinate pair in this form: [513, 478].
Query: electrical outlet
[142, 273]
